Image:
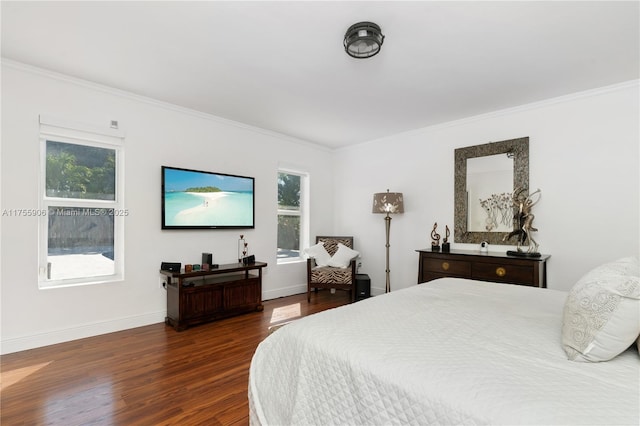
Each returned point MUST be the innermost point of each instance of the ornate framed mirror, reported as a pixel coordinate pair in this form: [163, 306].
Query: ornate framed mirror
[485, 177]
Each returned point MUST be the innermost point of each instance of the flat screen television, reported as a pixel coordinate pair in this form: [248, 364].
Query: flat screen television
[194, 199]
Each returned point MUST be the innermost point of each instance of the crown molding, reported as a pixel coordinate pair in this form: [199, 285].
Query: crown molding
[154, 102]
[183, 110]
[508, 111]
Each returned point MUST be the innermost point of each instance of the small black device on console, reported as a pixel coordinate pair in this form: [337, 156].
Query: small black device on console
[170, 266]
[207, 259]
[248, 260]
[363, 286]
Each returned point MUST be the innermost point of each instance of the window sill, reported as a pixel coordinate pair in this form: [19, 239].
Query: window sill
[290, 260]
[53, 284]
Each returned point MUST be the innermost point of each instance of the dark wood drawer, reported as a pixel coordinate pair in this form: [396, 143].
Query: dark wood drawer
[495, 267]
[200, 296]
[450, 267]
[430, 276]
[503, 273]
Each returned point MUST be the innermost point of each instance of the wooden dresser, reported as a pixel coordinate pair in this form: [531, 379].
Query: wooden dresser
[200, 296]
[497, 267]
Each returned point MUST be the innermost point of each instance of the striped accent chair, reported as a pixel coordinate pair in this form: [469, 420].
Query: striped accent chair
[329, 276]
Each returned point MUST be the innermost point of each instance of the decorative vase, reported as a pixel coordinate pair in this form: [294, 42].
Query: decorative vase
[243, 248]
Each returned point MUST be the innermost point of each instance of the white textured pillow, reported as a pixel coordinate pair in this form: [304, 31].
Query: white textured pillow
[319, 253]
[601, 317]
[343, 256]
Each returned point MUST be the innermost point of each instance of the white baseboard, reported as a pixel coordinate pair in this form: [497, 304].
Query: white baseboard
[17, 344]
[283, 292]
[302, 288]
[23, 343]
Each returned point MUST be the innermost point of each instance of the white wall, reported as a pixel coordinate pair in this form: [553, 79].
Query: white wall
[583, 156]
[156, 134]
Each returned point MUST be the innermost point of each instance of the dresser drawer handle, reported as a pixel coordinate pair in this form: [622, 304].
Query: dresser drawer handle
[501, 272]
[445, 266]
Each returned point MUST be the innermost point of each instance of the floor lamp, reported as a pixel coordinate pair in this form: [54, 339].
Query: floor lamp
[388, 203]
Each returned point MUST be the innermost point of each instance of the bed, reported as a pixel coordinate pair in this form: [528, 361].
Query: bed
[451, 351]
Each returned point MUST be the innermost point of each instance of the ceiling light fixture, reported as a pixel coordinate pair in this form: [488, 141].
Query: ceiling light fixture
[363, 40]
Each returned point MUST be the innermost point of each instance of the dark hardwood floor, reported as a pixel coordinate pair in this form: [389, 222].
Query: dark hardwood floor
[150, 375]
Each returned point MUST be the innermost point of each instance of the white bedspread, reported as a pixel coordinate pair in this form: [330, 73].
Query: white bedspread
[451, 351]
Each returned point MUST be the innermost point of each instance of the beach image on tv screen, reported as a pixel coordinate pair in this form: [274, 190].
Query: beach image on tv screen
[193, 198]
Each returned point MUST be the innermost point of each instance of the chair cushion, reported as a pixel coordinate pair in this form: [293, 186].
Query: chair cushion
[330, 275]
[319, 253]
[331, 243]
[343, 256]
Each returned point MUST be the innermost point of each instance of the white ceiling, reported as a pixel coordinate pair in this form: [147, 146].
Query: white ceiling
[281, 65]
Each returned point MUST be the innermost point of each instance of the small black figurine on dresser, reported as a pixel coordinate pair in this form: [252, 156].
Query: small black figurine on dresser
[435, 237]
[446, 247]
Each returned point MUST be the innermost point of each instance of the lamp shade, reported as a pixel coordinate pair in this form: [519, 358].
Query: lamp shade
[363, 40]
[388, 202]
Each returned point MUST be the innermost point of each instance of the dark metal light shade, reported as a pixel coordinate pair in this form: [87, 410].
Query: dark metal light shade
[363, 40]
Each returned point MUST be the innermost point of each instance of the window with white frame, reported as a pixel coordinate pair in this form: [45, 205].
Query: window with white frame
[82, 225]
[292, 216]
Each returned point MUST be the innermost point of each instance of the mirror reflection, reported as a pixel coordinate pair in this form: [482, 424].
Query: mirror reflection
[489, 188]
